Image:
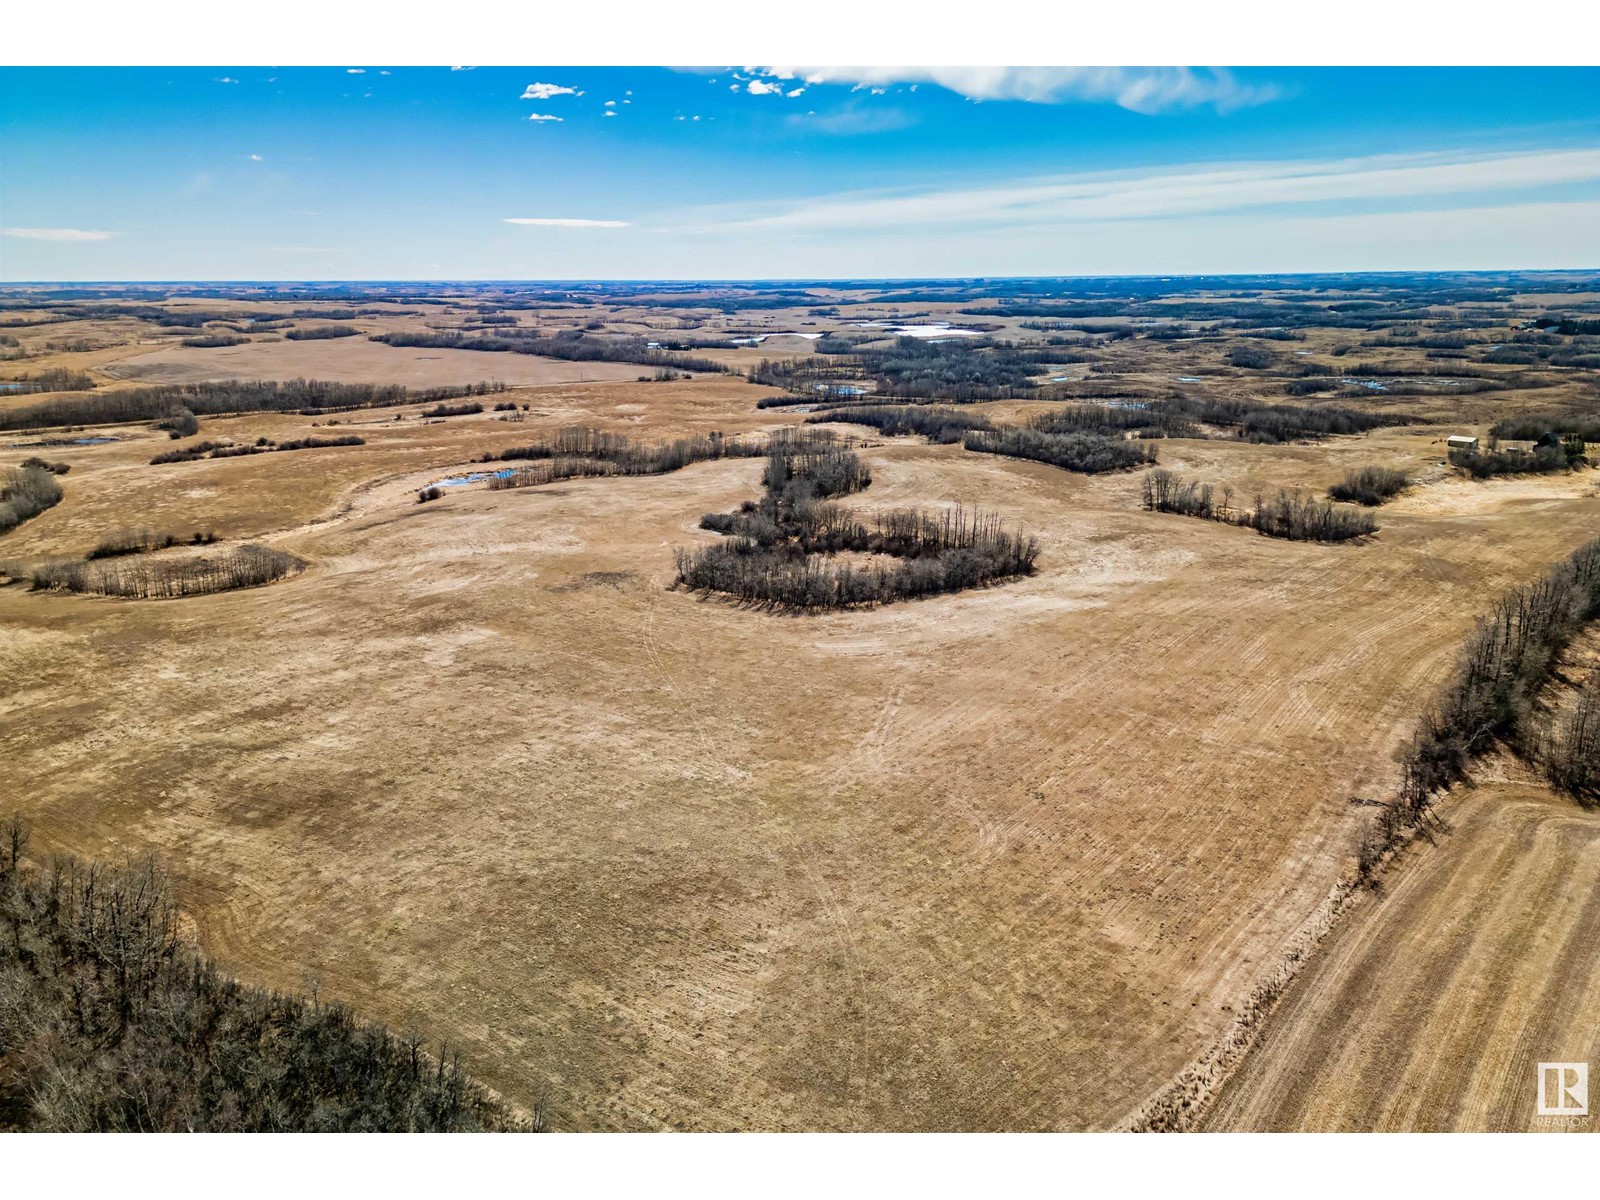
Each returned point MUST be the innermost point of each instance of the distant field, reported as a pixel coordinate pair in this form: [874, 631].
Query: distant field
[356, 360]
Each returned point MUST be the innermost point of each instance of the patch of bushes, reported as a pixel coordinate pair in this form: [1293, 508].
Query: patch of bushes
[1530, 427]
[26, 492]
[431, 492]
[112, 1021]
[454, 410]
[1286, 515]
[1370, 485]
[55, 468]
[250, 565]
[212, 341]
[181, 424]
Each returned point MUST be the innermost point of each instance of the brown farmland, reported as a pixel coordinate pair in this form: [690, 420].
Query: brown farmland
[1005, 859]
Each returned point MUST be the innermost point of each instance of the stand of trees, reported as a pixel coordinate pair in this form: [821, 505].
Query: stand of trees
[780, 548]
[1286, 515]
[573, 345]
[110, 1021]
[261, 446]
[1510, 656]
[580, 451]
[1090, 453]
[318, 333]
[1541, 460]
[938, 423]
[961, 370]
[26, 492]
[1572, 756]
[246, 566]
[211, 341]
[1530, 427]
[308, 397]
[1370, 485]
[56, 380]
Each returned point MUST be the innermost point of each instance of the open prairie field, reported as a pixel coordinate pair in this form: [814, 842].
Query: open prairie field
[1008, 858]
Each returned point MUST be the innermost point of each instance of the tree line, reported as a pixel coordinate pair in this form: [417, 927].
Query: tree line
[262, 445]
[156, 578]
[112, 1021]
[572, 345]
[1508, 658]
[1287, 515]
[308, 397]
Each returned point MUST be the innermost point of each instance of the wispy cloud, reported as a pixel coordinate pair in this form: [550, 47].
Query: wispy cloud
[255, 158]
[544, 117]
[1140, 89]
[567, 222]
[227, 79]
[58, 235]
[853, 119]
[355, 70]
[1189, 190]
[544, 91]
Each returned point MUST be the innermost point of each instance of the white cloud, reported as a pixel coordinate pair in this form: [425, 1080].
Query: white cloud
[568, 222]
[757, 87]
[610, 112]
[58, 235]
[383, 72]
[544, 91]
[227, 79]
[611, 103]
[799, 91]
[544, 117]
[1190, 190]
[256, 158]
[463, 68]
[1141, 89]
[355, 70]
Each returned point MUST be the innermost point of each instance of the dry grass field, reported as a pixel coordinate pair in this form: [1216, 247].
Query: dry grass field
[1004, 859]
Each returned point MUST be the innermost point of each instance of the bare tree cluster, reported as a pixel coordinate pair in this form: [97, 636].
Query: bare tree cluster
[139, 578]
[1285, 515]
[26, 492]
[1089, 453]
[110, 1021]
[1506, 661]
[1370, 485]
[782, 549]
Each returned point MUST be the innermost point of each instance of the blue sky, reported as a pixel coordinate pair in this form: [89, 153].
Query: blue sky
[374, 172]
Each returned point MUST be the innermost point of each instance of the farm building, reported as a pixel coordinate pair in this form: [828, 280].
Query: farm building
[1461, 441]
